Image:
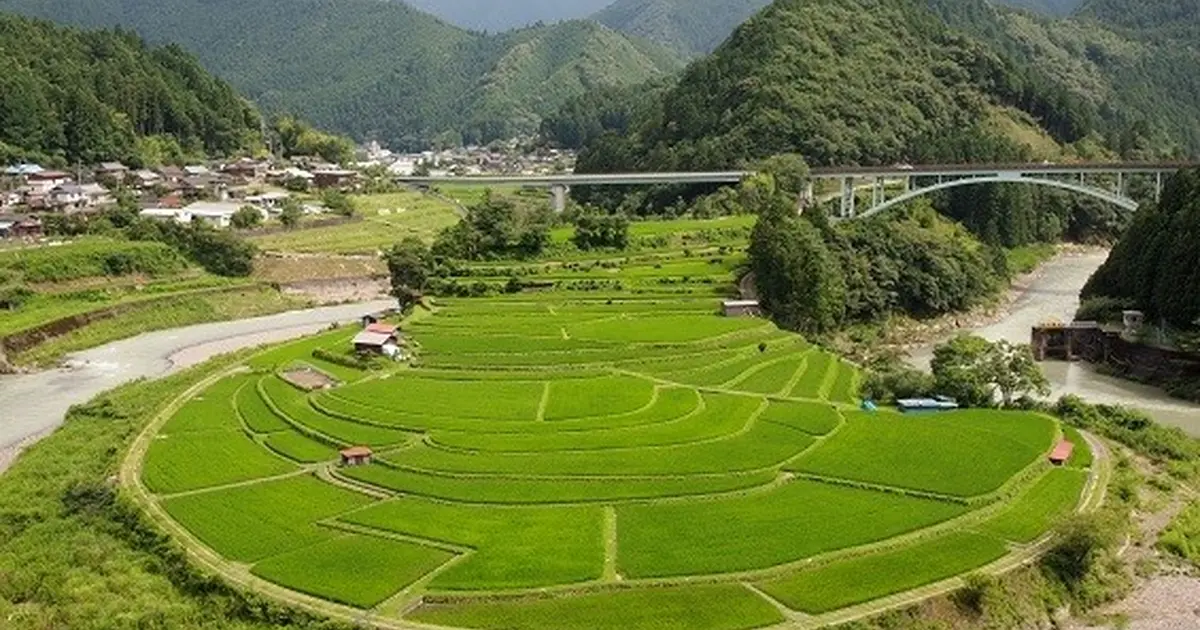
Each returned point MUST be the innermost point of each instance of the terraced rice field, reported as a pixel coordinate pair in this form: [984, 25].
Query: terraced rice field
[596, 446]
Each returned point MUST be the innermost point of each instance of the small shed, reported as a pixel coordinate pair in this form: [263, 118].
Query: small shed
[1062, 453]
[742, 308]
[356, 456]
[382, 328]
[378, 342]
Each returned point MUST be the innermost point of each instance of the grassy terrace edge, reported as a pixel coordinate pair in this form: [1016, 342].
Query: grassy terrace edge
[131, 479]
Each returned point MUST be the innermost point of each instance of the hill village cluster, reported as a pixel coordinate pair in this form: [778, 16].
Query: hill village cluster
[212, 192]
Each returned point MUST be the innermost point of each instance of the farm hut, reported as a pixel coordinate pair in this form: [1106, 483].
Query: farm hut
[386, 329]
[1062, 453]
[356, 456]
[381, 339]
[742, 308]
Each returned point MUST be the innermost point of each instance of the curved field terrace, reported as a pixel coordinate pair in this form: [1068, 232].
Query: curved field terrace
[589, 463]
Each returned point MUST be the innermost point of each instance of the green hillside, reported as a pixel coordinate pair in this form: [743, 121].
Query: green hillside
[379, 69]
[1154, 267]
[692, 27]
[843, 82]
[1135, 65]
[73, 96]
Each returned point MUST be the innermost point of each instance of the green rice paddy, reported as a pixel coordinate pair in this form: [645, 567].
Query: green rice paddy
[609, 448]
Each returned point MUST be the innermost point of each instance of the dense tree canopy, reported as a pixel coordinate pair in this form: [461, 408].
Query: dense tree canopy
[1156, 265]
[70, 96]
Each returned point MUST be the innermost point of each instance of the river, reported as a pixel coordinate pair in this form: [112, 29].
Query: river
[33, 405]
[1054, 295]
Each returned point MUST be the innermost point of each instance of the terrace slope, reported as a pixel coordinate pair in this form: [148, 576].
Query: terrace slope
[567, 460]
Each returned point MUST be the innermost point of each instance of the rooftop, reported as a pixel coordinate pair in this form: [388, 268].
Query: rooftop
[357, 451]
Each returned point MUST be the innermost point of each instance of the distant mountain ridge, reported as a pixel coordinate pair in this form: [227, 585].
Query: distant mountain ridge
[381, 69]
[502, 15]
[692, 27]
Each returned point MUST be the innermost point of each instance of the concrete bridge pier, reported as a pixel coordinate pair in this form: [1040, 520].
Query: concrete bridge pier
[848, 198]
[558, 197]
[878, 192]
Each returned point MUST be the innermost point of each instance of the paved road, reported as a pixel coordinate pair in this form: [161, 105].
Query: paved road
[33, 405]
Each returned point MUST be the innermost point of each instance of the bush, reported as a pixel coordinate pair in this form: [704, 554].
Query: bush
[357, 362]
[895, 380]
[1103, 309]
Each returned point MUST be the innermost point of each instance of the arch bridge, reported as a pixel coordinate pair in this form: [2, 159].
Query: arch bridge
[888, 186]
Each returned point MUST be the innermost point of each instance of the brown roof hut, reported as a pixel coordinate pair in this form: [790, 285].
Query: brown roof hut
[356, 456]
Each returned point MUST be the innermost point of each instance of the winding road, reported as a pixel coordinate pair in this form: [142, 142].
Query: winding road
[35, 404]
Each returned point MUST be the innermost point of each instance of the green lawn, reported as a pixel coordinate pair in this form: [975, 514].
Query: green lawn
[1081, 457]
[250, 523]
[385, 220]
[853, 581]
[515, 547]
[494, 400]
[699, 607]
[294, 404]
[211, 410]
[814, 418]
[772, 378]
[796, 521]
[516, 491]
[963, 453]
[361, 571]
[1034, 513]
[300, 448]
[765, 445]
[583, 398]
[190, 461]
[254, 410]
[812, 383]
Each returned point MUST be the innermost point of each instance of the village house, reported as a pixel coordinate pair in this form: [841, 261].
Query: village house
[178, 215]
[379, 339]
[272, 202]
[218, 214]
[246, 170]
[42, 182]
[143, 179]
[67, 197]
[172, 174]
[18, 226]
[196, 170]
[115, 171]
[356, 456]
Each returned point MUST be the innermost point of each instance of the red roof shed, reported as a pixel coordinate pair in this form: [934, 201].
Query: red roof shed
[1062, 453]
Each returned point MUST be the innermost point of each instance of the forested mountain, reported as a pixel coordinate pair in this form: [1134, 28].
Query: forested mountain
[377, 69]
[692, 27]
[1156, 265]
[844, 82]
[1135, 64]
[71, 96]
[502, 15]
